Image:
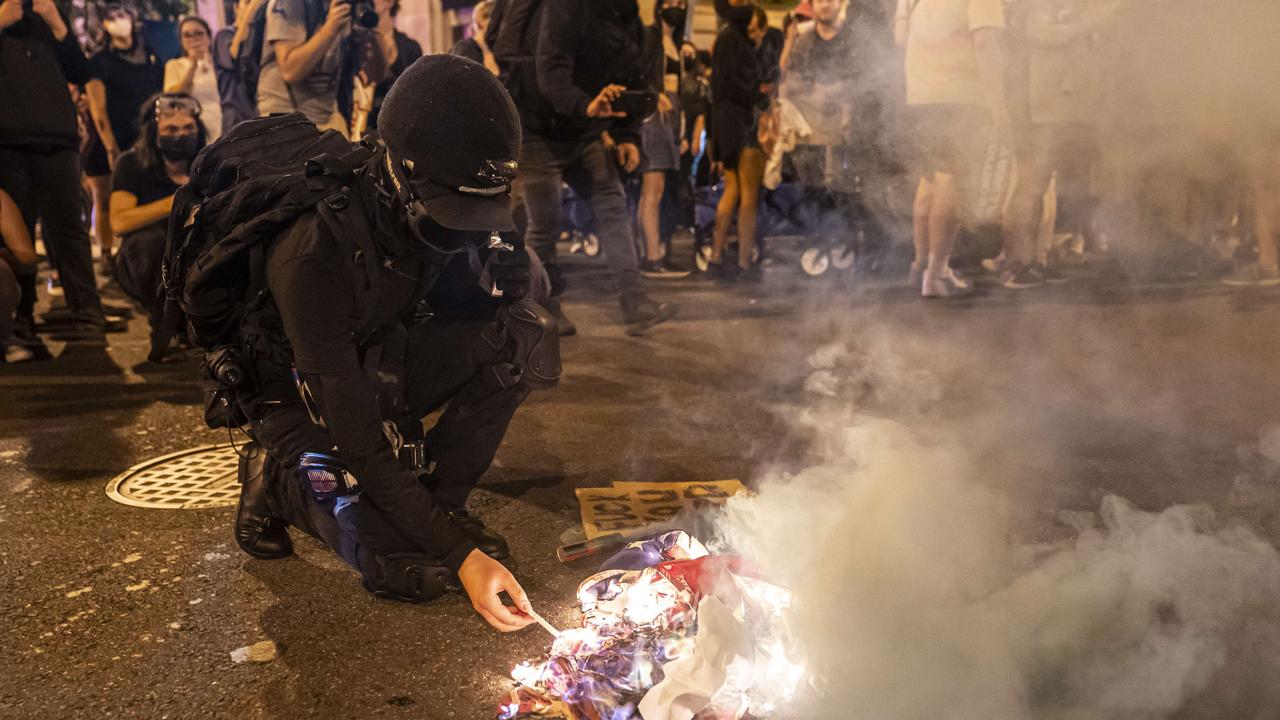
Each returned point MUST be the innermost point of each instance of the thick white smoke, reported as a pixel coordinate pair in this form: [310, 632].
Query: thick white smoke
[915, 600]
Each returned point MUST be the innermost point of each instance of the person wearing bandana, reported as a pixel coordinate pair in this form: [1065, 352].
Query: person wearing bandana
[143, 185]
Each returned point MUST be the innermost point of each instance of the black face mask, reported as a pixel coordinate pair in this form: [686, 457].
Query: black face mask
[448, 240]
[177, 148]
[673, 17]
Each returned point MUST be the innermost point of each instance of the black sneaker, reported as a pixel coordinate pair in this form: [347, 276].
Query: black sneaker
[750, 276]
[564, 325]
[723, 271]
[640, 312]
[487, 541]
[660, 270]
[1052, 274]
[1017, 276]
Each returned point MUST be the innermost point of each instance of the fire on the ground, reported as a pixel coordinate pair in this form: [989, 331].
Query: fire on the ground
[669, 632]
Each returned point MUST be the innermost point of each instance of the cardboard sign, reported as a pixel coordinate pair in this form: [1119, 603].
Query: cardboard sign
[628, 505]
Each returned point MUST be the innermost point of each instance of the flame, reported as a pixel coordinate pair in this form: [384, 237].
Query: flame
[635, 622]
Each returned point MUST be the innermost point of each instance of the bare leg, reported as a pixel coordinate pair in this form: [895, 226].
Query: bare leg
[943, 221]
[750, 176]
[724, 215]
[651, 189]
[100, 188]
[920, 222]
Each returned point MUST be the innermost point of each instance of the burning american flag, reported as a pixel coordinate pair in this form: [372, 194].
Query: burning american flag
[669, 632]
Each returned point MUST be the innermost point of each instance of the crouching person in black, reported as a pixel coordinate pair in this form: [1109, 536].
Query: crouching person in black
[143, 186]
[354, 363]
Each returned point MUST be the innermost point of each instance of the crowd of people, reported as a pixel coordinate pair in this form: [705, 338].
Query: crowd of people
[993, 108]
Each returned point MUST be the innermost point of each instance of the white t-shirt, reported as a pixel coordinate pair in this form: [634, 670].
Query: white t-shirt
[204, 88]
[942, 67]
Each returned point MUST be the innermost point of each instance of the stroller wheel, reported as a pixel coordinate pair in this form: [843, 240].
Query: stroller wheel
[815, 261]
[591, 245]
[842, 257]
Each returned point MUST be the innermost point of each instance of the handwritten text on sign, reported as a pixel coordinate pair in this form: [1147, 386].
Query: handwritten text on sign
[629, 505]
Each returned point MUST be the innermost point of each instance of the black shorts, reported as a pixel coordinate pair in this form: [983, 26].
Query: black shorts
[947, 138]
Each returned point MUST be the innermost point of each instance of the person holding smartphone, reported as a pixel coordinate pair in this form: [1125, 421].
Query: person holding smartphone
[586, 75]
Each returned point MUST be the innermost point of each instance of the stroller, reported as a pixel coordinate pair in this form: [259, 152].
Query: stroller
[844, 222]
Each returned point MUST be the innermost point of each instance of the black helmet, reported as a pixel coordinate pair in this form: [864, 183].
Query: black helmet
[452, 136]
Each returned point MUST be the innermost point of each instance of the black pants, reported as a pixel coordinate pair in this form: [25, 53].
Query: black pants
[137, 269]
[47, 187]
[592, 173]
[438, 372]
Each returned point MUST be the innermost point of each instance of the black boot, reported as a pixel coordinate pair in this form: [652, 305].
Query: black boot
[258, 531]
[489, 542]
[641, 312]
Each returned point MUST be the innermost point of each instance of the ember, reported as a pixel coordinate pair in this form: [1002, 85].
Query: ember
[669, 632]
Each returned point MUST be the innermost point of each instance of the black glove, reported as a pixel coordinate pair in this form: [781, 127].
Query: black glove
[509, 271]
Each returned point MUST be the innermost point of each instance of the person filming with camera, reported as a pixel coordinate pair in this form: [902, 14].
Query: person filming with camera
[310, 50]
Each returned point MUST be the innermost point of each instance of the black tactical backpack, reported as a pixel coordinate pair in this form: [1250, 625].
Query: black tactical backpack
[246, 189]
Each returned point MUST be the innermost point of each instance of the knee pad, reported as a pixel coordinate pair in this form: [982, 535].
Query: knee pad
[407, 577]
[526, 333]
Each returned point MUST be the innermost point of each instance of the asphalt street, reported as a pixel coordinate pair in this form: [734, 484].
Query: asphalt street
[1062, 394]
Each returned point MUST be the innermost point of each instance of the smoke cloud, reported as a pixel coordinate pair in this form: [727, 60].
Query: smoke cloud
[916, 597]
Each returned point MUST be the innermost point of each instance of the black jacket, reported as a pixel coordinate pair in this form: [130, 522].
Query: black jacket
[36, 109]
[325, 311]
[580, 47]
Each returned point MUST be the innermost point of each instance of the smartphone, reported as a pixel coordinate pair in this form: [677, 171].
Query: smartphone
[636, 102]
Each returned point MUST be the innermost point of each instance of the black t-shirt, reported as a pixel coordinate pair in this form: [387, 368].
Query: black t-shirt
[146, 185]
[128, 85]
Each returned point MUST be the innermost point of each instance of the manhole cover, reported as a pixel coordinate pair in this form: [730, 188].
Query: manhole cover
[202, 477]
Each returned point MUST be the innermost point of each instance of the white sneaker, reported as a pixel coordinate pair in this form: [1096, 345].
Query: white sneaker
[54, 287]
[16, 352]
[945, 284]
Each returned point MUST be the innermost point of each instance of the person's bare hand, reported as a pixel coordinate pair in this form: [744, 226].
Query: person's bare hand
[48, 12]
[339, 16]
[684, 146]
[607, 140]
[483, 578]
[10, 12]
[628, 156]
[246, 10]
[602, 106]
[664, 104]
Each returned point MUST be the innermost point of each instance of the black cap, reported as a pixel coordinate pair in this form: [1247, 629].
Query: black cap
[453, 125]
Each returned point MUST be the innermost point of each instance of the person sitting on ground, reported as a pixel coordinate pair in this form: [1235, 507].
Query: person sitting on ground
[194, 73]
[142, 189]
[17, 261]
